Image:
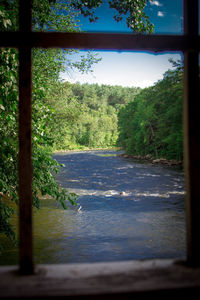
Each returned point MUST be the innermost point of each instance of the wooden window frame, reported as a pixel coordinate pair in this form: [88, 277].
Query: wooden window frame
[189, 44]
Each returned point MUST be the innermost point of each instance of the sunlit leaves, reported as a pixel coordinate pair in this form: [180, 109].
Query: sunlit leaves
[87, 8]
[152, 123]
[130, 10]
[49, 15]
[8, 137]
[133, 11]
[86, 115]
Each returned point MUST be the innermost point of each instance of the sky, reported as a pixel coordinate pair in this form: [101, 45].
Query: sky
[132, 69]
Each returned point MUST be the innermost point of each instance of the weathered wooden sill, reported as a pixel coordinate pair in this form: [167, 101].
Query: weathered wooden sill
[118, 280]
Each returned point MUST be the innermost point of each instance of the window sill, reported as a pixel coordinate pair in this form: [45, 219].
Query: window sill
[97, 279]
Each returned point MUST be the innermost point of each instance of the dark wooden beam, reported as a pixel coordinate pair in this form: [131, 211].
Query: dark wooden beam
[191, 135]
[25, 141]
[100, 41]
[189, 43]
[25, 15]
[25, 164]
[191, 17]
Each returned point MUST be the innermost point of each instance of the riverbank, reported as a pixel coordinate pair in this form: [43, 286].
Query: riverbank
[148, 158]
[85, 149]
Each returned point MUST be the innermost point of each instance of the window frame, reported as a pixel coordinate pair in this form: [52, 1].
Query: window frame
[188, 43]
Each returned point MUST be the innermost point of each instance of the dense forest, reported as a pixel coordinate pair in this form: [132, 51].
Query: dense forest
[152, 123]
[140, 121]
[86, 116]
[70, 116]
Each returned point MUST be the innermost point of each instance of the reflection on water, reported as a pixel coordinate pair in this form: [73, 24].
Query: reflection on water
[128, 211]
[95, 234]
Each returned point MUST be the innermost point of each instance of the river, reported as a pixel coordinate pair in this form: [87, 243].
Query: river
[126, 210]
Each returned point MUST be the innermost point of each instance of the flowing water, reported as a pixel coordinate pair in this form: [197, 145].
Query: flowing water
[126, 210]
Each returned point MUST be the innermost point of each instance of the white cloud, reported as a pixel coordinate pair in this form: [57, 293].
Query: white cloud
[125, 69]
[160, 14]
[154, 2]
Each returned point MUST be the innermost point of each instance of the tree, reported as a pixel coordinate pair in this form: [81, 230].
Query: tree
[133, 11]
[152, 123]
[48, 15]
[44, 166]
[91, 124]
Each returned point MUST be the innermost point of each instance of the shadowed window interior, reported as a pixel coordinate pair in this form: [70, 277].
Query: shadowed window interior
[187, 43]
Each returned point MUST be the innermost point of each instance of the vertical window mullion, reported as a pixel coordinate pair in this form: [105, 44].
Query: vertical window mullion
[191, 139]
[191, 135]
[25, 148]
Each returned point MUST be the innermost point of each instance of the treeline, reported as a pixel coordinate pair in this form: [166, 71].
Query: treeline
[86, 116]
[152, 123]
[56, 121]
[141, 122]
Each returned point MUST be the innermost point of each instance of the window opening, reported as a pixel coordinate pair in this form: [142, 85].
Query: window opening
[74, 236]
[85, 236]
[92, 109]
[191, 89]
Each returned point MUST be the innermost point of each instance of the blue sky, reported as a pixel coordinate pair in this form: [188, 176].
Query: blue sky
[131, 68]
[166, 15]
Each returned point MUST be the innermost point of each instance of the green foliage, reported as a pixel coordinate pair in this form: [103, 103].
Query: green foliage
[133, 11]
[46, 69]
[86, 115]
[47, 65]
[152, 123]
[8, 15]
[50, 15]
[136, 19]
[8, 136]
[54, 15]
[44, 183]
